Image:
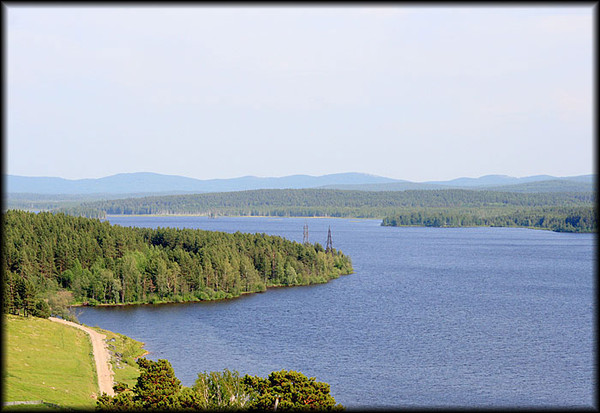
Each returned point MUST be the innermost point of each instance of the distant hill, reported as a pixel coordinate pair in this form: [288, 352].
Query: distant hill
[581, 178]
[538, 183]
[157, 184]
[146, 182]
[391, 186]
[493, 180]
[116, 184]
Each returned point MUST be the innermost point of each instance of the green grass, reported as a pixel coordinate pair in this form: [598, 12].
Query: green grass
[48, 361]
[123, 364]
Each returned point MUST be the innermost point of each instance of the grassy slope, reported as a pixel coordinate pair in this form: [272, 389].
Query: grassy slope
[48, 361]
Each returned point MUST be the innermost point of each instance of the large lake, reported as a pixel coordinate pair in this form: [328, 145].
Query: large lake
[432, 317]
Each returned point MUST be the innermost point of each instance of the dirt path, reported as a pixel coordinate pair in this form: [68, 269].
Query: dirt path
[101, 355]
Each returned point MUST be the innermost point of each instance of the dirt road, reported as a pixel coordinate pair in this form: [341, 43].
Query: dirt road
[101, 355]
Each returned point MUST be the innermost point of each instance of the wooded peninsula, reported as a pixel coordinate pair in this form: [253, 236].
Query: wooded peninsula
[558, 211]
[54, 260]
[559, 219]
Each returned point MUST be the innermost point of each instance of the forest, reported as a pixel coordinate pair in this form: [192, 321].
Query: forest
[324, 202]
[53, 260]
[559, 219]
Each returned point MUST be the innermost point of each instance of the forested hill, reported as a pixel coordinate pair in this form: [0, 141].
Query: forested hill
[325, 202]
[46, 255]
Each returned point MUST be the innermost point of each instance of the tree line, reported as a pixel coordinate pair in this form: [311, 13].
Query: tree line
[560, 219]
[324, 202]
[60, 259]
[158, 388]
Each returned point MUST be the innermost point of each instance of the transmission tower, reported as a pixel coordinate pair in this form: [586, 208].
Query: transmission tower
[305, 235]
[329, 247]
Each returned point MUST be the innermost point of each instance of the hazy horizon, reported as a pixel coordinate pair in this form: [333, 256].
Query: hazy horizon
[298, 174]
[404, 92]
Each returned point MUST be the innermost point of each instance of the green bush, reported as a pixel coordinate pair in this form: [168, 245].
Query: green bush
[216, 390]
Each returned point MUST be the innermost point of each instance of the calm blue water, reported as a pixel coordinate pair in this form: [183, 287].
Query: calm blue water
[432, 317]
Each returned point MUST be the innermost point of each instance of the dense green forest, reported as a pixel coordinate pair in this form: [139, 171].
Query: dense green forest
[56, 258]
[324, 202]
[561, 219]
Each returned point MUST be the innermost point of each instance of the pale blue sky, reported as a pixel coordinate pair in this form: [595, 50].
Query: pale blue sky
[404, 92]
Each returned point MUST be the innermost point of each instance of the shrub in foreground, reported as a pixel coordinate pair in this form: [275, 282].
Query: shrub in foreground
[158, 388]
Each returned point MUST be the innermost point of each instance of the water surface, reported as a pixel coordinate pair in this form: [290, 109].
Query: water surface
[475, 317]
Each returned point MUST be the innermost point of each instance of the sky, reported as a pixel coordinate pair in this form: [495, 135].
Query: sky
[415, 93]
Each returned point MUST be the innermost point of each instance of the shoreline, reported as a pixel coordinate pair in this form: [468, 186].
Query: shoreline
[326, 217]
[490, 226]
[233, 216]
[202, 301]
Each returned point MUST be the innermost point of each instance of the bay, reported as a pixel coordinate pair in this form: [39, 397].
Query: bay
[432, 317]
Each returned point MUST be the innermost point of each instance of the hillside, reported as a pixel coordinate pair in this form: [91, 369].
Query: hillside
[48, 361]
